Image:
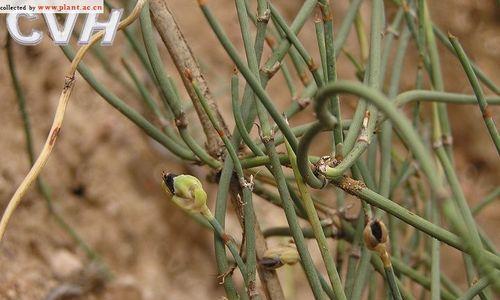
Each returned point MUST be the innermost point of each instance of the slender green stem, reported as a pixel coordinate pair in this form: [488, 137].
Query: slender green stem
[486, 201]
[294, 225]
[404, 127]
[479, 73]
[230, 243]
[483, 105]
[478, 287]
[370, 115]
[313, 68]
[252, 80]
[331, 72]
[437, 96]
[150, 102]
[129, 112]
[357, 189]
[436, 75]
[391, 280]
[331, 269]
[320, 39]
[246, 197]
[168, 91]
[391, 33]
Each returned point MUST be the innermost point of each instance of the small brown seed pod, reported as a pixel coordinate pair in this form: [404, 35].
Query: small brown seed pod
[375, 234]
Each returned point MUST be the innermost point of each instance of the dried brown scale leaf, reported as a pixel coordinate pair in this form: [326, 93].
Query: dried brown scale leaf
[312, 65]
[181, 121]
[350, 185]
[303, 103]
[304, 78]
[327, 14]
[270, 72]
[54, 135]
[69, 81]
[265, 17]
[447, 140]
[487, 114]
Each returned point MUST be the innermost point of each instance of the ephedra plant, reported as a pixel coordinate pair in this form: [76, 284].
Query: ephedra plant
[410, 191]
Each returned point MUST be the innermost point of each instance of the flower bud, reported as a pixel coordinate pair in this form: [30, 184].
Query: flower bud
[279, 256]
[375, 234]
[186, 191]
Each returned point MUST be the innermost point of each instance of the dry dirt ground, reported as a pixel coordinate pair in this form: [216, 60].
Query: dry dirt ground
[104, 173]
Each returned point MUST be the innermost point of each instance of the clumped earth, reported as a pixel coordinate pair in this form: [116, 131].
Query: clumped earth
[104, 173]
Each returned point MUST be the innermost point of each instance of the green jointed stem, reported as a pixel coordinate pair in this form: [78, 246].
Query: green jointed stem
[221, 203]
[252, 80]
[346, 25]
[410, 137]
[294, 225]
[464, 222]
[168, 91]
[386, 137]
[401, 123]
[129, 112]
[298, 62]
[391, 33]
[276, 167]
[436, 75]
[267, 138]
[479, 73]
[246, 197]
[391, 280]
[319, 234]
[478, 91]
[313, 68]
[386, 133]
[471, 238]
[150, 102]
[240, 123]
[436, 96]
[231, 245]
[268, 278]
[477, 288]
[370, 115]
[320, 39]
[487, 200]
[331, 72]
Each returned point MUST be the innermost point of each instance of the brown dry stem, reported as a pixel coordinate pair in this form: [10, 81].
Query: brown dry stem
[183, 59]
[69, 83]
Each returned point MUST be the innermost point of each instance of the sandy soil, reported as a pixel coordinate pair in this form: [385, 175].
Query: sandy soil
[104, 173]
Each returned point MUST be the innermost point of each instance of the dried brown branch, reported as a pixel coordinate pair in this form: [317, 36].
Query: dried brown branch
[184, 60]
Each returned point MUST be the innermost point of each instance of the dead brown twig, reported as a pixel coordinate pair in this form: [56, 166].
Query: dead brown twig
[183, 59]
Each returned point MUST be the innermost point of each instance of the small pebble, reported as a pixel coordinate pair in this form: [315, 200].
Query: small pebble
[65, 264]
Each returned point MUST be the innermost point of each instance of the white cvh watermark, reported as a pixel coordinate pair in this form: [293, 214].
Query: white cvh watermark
[53, 6]
[60, 34]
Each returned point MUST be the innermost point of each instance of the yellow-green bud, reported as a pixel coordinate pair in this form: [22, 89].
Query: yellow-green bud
[186, 191]
[281, 255]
